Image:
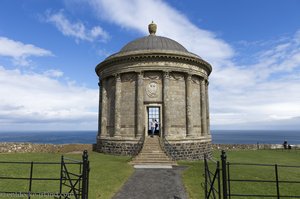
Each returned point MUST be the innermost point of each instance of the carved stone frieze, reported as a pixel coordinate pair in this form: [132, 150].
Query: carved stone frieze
[128, 77]
[152, 89]
[177, 76]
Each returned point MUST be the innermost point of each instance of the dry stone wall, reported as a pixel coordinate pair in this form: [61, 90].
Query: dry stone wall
[8, 147]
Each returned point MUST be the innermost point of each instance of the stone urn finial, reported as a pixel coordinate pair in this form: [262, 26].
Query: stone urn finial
[152, 28]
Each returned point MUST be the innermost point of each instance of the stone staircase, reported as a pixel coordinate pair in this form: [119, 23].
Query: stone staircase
[152, 156]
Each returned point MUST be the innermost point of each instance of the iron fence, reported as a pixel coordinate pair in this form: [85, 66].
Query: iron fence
[217, 186]
[72, 185]
[212, 176]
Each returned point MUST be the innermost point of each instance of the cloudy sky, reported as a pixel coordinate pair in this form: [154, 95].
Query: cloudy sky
[49, 49]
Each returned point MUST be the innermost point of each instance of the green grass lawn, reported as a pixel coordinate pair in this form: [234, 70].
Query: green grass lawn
[193, 176]
[108, 173]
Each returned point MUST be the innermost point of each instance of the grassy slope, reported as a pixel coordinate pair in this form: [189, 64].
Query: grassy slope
[193, 175]
[107, 175]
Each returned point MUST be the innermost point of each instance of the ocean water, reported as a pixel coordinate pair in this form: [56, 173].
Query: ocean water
[218, 137]
[255, 136]
[50, 137]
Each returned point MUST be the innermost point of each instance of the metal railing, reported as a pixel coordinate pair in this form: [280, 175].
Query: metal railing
[138, 147]
[211, 177]
[169, 149]
[222, 186]
[77, 184]
[277, 183]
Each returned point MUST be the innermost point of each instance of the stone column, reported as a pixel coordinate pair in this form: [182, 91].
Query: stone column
[166, 112]
[189, 121]
[140, 105]
[207, 109]
[117, 106]
[103, 106]
[100, 108]
[203, 108]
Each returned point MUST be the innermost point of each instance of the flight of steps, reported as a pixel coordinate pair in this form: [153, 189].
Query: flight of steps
[152, 156]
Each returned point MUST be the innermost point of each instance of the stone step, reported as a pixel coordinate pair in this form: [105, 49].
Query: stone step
[151, 147]
[151, 161]
[152, 154]
[152, 151]
[152, 157]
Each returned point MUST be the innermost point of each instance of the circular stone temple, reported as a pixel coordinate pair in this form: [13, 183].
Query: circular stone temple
[154, 78]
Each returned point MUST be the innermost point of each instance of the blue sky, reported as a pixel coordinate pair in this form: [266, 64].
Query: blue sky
[49, 49]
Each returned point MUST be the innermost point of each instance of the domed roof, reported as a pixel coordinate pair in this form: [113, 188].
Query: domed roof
[153, 45]
[153, 42]
[137, 54]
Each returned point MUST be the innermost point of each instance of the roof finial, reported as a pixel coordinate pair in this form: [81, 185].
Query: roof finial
[152, 28]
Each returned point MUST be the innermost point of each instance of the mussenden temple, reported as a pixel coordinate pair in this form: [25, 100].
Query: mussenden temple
[154, 78]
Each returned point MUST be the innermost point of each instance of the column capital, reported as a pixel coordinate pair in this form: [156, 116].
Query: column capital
[117, 76]
[166, 74]
[188, 77]
[140, 73]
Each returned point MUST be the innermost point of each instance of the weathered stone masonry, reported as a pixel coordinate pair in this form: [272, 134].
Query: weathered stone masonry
[154, 71]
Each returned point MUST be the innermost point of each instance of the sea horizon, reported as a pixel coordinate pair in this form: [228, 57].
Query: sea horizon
[89, 136]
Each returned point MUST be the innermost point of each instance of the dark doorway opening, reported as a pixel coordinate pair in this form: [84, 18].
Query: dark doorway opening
[154, 116]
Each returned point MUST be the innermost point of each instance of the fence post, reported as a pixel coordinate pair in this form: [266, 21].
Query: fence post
[205, 175]
[30, 180]
[85, 175]
[219, 180]
[61, 176]
[224, 174]
[277, 183]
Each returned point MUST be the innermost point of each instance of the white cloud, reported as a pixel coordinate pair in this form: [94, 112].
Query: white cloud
[76, 29]
[136, 14]
[264, 92]
[20, 51]
[53, 73]
[261, 94]
[39, 100]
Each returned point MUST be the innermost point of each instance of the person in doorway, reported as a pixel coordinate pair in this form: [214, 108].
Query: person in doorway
[156, 126]
[153, 122]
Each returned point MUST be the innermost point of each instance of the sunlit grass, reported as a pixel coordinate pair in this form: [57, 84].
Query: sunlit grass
[193, 176]
[108, 173]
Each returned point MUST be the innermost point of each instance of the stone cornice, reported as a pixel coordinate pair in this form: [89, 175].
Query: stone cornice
[154, 57]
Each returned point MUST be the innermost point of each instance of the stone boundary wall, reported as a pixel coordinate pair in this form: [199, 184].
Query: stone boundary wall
[125, 149]
[9, 147]
[233, 147]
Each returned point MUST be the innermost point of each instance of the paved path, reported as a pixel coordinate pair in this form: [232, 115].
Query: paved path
[154, 184]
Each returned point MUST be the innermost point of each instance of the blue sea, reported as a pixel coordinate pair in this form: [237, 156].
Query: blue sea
[218, 136]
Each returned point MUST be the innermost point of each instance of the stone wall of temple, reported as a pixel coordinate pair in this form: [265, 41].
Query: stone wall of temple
[188, 149]
[177, 106]
[127, 106]
[177, 87]
[117, 147]
[196, 107]
[110, 89]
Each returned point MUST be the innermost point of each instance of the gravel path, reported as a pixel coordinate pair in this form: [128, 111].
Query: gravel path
[154, 184]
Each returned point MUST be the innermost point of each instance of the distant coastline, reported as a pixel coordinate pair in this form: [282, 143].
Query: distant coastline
[218, 136]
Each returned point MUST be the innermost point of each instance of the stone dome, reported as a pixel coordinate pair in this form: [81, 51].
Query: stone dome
[153, 47]
[153, 42]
